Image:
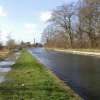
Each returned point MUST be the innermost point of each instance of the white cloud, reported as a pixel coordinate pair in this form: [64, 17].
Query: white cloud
[30, 26]
[45, 16]
[3, 12]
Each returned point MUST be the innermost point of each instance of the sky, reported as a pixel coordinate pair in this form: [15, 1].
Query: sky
[25, 20]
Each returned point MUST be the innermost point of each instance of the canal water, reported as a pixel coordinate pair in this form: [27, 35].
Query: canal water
[81, 73]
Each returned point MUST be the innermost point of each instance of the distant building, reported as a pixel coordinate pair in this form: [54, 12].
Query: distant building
[25, 44]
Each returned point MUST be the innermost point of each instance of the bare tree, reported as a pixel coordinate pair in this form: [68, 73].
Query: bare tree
[79, 26]
[10, 43]
[90, 20]
[62, 17]
[1, 46]
[53, 38]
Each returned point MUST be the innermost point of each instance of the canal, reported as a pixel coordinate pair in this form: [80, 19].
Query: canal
[81, 73]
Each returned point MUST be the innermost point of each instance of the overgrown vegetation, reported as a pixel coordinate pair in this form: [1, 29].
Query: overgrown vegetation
[74, 25]
[30, 80]
[1, 58]
[4, 55]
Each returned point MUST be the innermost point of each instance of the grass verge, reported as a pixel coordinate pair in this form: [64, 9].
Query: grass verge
[30, 80]
[81, 50]
[88, 50]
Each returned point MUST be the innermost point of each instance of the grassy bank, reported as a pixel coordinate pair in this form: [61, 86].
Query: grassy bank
[81, 50]
[88, 50]
[30, 80]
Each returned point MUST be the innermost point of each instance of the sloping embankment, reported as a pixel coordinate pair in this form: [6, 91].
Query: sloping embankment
[77, 52]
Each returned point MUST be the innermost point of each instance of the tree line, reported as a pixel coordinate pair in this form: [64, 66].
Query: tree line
[74, 25]
[11, 45]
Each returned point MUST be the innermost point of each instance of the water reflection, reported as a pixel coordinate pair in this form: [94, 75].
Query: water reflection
[4, 69]
[1, 79]
[7, 63]
[81, 73]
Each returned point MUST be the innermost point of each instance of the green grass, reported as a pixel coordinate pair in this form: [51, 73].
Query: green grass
[30, 80]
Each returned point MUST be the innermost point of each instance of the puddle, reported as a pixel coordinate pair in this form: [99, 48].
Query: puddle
[4, 69]
[6, 63]
[5, 66]
[1, 79]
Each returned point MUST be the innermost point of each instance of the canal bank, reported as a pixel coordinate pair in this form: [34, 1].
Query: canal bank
[30, 80]
[78, 52]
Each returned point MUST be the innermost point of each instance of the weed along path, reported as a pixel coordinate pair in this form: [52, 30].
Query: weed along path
[30, 80]
[6, 64]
